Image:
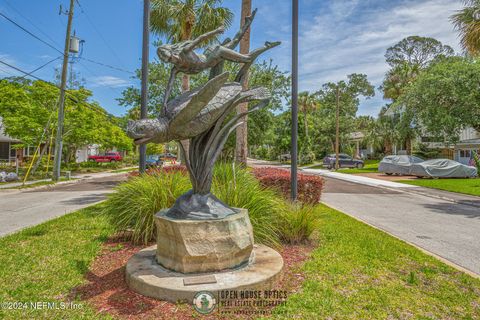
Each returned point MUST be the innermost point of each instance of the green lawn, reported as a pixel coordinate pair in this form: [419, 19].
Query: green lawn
[466, 186]
[356, 272]
[359, 272]
[43, 263]
[370, 166]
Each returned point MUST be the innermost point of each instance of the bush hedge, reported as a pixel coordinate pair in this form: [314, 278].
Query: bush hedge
[309, 186]
[274, 220]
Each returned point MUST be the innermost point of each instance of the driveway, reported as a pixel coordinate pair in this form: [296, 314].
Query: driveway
[447, 228]
[24, 208]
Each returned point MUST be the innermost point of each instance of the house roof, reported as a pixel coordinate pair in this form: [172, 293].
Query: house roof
[4, 137]
[467, 143]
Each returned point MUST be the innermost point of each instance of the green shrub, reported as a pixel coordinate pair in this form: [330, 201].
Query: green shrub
[299, 223]
[135, 202]
[238, 188]
[133, 205]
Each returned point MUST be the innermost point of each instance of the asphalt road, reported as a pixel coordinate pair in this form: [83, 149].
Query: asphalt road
[24, 208]
[445, 228]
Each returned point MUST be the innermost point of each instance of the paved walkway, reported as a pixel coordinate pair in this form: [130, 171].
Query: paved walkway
[358, 179]
[24, 208]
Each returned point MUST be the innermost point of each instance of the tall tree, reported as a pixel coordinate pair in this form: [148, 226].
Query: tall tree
[340, 101]
[181, 20]
[467, 23]
[241, 148]
[415, 50]
[307, 103]
[445, 98]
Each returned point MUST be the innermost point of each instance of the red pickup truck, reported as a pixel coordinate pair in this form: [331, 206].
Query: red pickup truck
[108, 157]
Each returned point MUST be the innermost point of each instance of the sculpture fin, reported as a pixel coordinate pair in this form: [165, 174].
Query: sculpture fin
[195, 101]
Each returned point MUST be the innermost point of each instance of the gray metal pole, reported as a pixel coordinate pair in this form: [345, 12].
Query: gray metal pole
[61, 105]
[144, 101]
[294, 154]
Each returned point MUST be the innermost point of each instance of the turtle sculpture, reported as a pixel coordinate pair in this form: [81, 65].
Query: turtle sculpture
[202, 116]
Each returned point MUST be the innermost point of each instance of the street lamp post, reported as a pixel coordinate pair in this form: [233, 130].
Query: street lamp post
[294, 152]
[144, 92]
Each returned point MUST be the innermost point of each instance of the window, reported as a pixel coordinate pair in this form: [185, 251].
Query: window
[465, 153]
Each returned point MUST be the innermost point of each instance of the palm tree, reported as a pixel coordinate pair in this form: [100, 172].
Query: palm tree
[467, 22]
[181, 20]
[307, 103]
[241, 145]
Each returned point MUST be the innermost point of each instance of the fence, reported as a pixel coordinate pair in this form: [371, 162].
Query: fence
[9, 166]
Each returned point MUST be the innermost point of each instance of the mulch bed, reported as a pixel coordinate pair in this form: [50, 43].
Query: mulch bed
[105, 288]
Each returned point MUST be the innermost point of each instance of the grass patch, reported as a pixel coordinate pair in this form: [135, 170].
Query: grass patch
[43, 263]
[465, 186]
[370, 166]
[359, 272]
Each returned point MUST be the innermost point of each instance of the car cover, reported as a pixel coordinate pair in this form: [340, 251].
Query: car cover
[398, 164]
[443, 168]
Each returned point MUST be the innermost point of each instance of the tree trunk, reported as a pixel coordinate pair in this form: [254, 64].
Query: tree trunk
[241, 148]
[306, 125]
[337, 131]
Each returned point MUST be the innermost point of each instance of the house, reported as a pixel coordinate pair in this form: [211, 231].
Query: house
[468, 145]
[7, 152]
[469, 142]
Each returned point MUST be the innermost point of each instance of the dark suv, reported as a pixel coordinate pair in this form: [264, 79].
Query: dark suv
[344, 161]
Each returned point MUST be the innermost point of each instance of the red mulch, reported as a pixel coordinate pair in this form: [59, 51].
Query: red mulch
[106, 290]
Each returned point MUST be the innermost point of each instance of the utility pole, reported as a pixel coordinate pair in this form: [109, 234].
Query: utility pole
[294, 155]
[61, 105]
[144, 93]
[337, 129]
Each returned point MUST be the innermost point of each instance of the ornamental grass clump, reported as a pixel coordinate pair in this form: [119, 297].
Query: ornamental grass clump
[135, 202]
[133, 206]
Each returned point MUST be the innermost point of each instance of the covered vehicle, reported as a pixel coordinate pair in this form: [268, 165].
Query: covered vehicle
[443, 168]
[400, 165]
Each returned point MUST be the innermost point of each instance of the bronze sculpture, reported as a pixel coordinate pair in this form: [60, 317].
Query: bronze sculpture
[201, 115]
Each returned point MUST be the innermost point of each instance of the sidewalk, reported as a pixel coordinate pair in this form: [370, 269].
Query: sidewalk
[74, 179]
[359, 179]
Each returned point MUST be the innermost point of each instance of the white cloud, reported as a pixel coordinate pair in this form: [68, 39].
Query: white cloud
[109, 81]
[6, 71]
[341, 37]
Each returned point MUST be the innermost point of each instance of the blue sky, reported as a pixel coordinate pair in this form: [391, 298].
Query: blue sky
[337, 37]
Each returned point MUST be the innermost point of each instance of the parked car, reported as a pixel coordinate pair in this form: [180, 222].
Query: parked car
[167, 156]
[108, 157]
[285, 157]
[443, 168]
[344, 161]
[400, 165]
[154, 161]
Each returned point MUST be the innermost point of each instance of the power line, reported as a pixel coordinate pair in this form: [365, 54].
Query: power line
[71, 96]
[41, 67]
[30, 33]
[56, 49]
[30, 21]
[99, 33]
[106, 65]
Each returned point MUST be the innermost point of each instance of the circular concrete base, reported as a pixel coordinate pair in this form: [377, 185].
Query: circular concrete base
[145, 276]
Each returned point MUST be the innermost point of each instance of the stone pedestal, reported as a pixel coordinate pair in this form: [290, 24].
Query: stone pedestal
[199, 246]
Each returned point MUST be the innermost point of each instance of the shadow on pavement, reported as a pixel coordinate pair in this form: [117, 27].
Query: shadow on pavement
[467, 210]
[87, 199]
